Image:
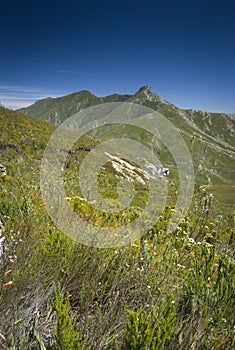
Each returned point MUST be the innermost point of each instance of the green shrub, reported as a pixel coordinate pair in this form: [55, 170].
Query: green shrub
[67, 338]
[150, 331]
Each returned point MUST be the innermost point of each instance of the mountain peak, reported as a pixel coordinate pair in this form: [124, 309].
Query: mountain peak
[146, 89]
[145, 95]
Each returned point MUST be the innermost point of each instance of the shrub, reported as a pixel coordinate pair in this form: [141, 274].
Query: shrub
[67, 338]
[153, 331]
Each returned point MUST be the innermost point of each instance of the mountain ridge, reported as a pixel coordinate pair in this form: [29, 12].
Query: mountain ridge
[221, 126]
[209, 136]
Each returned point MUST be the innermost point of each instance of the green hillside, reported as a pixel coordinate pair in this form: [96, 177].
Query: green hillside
[167, 290]
[56, 110]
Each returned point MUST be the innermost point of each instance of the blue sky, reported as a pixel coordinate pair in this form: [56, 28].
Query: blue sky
[184, 49]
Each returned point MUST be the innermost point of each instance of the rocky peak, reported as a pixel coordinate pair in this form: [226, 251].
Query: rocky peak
[146, 89]
[145, 94]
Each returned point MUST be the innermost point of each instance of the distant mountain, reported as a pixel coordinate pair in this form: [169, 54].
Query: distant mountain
[56, 110]
[218, 127]
[209, 136]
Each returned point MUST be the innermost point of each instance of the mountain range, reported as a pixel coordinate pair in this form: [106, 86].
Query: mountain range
[210, 136]
[220, 127]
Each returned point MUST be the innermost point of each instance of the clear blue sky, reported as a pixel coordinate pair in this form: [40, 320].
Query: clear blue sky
[184, 49]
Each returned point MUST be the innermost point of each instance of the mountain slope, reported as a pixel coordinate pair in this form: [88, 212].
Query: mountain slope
[22, 136]
[56, 110]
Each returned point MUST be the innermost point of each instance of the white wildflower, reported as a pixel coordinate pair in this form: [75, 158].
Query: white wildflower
[191, 240]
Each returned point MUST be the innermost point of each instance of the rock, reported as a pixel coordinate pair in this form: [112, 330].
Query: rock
[165, 171]
[3, 170]
[2, 228]
[1, 247]
[146, 89]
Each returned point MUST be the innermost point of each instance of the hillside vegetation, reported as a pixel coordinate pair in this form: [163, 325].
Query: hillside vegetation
[167, 290]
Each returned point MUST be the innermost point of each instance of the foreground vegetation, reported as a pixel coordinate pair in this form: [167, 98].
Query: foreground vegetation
[171, 290]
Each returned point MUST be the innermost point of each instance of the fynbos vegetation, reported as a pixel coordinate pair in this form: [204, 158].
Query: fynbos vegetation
[168, 290]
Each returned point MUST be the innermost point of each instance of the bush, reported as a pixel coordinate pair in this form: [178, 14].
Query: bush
[67, 338]
[153, 331]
